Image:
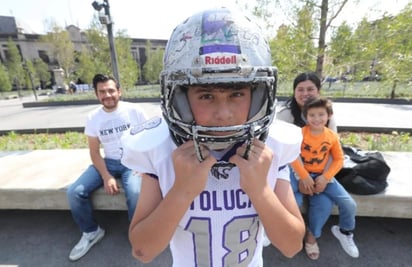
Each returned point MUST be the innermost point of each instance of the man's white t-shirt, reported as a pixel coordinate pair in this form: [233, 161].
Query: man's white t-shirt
[110, 126]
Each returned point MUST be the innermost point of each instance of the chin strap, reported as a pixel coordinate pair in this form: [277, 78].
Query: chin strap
[197, 144]
[250, 133]
[249, 142]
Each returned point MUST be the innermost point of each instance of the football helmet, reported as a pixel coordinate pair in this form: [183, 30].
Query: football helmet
[224, 48]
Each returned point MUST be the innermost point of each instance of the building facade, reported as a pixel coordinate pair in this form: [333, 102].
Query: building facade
[31, 47]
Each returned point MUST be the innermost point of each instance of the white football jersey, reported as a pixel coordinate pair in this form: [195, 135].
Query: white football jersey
[221, 227]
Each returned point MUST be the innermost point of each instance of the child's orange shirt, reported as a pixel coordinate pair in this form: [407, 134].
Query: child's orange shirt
[315, 153]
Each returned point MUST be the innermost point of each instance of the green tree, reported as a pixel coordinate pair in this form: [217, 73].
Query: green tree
[365, 49]
[342, 51]
[153, 65]
[5, 84]
[128, 69]
[86, 68]
[95, 56]
[62, 48]
[380, 47]
[328, 12]
[293, 48]
[30, 77]
[397, 46]
[370, 48]
[303, 37]
[283, 52]
[14, 65]
[41, 72]
[322, 14]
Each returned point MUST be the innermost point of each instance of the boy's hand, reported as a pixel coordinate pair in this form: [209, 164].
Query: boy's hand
[307, 186]
[191, 175]
[254, 170]
[320, 184]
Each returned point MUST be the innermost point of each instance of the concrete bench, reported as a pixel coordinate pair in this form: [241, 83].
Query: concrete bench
[396, 200]
[38, 180]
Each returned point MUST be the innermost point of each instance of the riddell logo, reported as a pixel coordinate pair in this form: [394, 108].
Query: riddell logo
[220, 60]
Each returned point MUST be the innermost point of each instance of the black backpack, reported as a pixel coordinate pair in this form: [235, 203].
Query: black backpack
[364, 172]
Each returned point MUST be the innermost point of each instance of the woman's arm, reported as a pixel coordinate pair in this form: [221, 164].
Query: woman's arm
[284, 114]
[332, 124]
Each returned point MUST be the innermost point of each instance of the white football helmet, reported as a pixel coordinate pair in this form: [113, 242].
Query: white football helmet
[220, 47]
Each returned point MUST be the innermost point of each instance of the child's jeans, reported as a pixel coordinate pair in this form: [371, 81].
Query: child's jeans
[319, 210]
[320, 205]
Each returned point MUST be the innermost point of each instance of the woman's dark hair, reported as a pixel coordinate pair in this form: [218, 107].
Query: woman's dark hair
[102, 78]
[291, 102]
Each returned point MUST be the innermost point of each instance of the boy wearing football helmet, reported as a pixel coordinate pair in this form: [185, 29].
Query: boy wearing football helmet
[215, 165]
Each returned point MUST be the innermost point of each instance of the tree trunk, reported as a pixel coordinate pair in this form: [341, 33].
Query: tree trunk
[322, 37]
[393, 95]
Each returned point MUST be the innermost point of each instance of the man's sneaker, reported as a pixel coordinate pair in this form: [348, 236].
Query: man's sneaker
[346, 242]
[85, 243]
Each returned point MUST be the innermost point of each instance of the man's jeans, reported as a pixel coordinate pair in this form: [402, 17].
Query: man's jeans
[320, 205]
[79, 193]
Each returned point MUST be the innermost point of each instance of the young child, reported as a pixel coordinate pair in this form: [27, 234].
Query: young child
[320, 159]
[214, 173]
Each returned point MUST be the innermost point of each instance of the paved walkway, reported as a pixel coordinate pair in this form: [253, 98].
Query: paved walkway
[44, 239]
[348, 116]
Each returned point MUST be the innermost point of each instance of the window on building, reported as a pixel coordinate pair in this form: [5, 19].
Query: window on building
[43, 55]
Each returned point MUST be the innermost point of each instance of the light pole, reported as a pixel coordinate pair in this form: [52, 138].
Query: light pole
[107, 20]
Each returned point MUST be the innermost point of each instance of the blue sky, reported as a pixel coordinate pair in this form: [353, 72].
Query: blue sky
[154, 18]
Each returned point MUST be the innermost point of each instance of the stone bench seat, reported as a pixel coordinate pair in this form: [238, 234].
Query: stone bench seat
[38, 180]
[396, 200]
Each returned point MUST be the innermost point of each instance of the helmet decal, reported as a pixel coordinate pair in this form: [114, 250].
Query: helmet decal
[219, 33]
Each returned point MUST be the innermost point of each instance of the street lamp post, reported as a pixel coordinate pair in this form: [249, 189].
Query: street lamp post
[107, 20]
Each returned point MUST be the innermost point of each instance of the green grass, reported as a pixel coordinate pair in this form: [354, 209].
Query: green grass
[381, 142]
[73, 140]
[68, 140]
